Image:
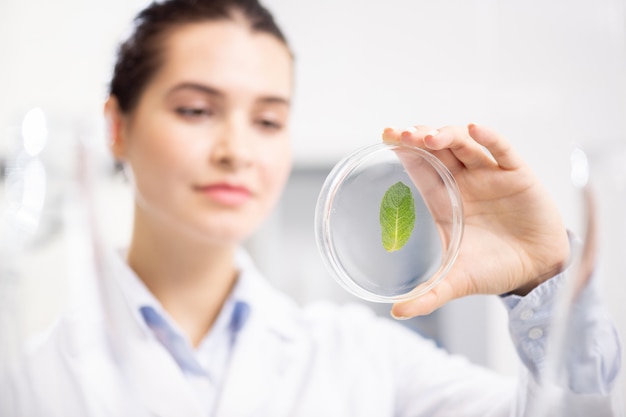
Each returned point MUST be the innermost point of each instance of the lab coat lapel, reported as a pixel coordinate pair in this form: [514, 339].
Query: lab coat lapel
[158, 382]
[253, 374]
[268, 358]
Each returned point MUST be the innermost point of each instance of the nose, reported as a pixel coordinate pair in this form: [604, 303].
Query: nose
[232, 148]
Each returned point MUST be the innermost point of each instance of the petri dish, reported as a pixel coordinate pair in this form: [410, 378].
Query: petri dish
[349, 228]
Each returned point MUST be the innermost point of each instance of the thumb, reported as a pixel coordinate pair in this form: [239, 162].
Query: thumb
[424, 304]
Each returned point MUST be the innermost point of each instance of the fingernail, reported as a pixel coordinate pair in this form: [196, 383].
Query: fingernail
[433, 132]
[399, 317]
[411, 129]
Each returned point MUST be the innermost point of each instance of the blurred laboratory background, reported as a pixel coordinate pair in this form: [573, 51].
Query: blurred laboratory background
[550, 75]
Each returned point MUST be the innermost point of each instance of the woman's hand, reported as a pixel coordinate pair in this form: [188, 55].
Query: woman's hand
[514, 237]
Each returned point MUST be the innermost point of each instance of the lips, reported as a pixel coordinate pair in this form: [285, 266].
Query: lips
[226, 194]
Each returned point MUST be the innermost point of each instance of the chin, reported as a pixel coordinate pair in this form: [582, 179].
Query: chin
[224, 234]
[227, 227]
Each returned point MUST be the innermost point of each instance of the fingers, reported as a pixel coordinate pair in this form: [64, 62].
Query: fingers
[412, 136]
[391, 135]
[452, 145]
[461, 144]
[498, 146]
[425, 304]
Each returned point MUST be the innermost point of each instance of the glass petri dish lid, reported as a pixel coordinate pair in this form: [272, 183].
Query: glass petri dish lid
[389, 222]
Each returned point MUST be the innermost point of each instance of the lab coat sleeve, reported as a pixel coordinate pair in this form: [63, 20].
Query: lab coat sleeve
[592, 357]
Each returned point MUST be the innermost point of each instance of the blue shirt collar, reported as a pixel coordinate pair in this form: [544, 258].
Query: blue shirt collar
[157, 322]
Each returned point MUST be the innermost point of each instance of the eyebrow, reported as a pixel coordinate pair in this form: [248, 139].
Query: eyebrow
[211, 91]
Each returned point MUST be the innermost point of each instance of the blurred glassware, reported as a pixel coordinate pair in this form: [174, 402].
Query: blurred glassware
[598, 180]
[52, 255]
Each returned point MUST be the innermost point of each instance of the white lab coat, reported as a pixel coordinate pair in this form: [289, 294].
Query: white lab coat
[288, 361]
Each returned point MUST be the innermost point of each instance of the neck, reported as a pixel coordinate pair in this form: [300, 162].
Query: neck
[190, 277]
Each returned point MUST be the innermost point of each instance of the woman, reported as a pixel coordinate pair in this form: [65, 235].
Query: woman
[199, 115]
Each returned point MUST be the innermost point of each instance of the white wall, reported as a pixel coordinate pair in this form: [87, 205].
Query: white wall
[549, 75]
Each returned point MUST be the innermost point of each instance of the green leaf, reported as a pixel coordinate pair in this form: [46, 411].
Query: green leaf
[397, 216]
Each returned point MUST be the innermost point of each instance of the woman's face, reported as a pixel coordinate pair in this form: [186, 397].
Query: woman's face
[208, 142]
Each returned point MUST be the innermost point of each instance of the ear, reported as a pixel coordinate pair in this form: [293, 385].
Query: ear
[115, 121]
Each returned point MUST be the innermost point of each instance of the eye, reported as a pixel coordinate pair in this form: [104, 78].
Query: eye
[269, 124]
[193, 112]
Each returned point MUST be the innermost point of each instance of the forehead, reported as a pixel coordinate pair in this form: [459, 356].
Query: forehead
[227, 55]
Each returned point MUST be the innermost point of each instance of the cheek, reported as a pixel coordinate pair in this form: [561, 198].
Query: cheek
[158, 157]
[173, 143]
[276, 168]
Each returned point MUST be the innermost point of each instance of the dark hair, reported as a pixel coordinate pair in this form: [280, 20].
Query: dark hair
[139, 57]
